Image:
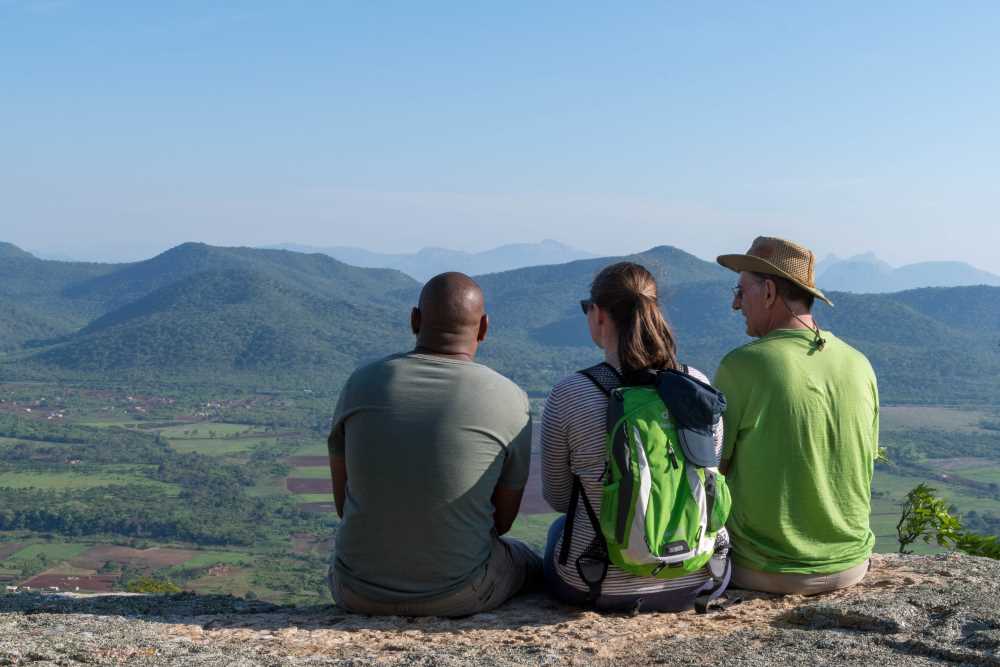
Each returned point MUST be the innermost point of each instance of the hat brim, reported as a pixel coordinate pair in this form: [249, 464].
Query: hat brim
[754, 264]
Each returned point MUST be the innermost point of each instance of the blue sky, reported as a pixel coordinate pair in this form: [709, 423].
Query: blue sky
[129, 127]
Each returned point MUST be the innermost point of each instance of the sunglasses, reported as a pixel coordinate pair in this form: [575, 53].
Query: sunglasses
[586, 305]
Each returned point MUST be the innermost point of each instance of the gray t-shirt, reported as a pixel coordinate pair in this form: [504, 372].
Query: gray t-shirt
[427, 440]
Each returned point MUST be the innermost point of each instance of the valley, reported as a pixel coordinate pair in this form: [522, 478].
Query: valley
[167, 418]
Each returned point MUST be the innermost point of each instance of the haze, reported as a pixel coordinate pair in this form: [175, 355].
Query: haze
[131, 127]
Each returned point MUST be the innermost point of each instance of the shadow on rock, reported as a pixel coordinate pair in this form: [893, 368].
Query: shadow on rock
[213, 612]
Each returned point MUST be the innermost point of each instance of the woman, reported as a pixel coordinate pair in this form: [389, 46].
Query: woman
[625, 321]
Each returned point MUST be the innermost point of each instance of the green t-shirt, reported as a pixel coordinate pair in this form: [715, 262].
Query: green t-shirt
[801, 435]
[427, 440]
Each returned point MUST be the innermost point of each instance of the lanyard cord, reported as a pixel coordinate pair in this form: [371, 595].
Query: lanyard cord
[818, 341]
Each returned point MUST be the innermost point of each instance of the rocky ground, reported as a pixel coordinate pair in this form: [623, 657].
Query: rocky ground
[910, 610]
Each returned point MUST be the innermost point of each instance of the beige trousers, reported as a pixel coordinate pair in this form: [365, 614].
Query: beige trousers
[512, 566]
[798, 584]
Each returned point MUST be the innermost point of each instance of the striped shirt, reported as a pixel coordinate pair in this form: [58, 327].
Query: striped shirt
[573, 432]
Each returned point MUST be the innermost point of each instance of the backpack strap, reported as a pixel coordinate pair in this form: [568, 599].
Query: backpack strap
[593, 557]
[715, 586]
[604, 376]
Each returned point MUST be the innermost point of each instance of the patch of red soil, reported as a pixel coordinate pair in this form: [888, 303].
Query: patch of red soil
[308, 485]
[100, 583]
[9, 548]
[308, 461]
[157, 557]
[318, 508]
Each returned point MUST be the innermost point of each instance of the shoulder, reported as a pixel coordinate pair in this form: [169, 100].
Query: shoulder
[374, 369]
[752, 353]
[853, 356]
[698, 375]
[496, 382]
[575, 385]
[574, 393]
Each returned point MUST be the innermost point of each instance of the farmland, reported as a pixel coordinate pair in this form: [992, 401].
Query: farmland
[232, 495]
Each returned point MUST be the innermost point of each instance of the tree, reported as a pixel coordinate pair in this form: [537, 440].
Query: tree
[926, 517]
[979, 545]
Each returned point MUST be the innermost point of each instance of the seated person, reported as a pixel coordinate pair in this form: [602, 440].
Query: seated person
[429, 454]
[624, 320]
[801, 433]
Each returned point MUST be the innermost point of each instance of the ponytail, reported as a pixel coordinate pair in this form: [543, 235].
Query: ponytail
[627, 291]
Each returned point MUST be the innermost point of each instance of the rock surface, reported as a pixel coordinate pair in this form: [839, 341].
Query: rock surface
[910, 610]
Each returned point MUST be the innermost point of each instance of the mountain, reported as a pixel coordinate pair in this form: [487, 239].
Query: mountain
[238, 322]
[204, 315]
[20, 324]
[199, 312]
[315, 273]
[33, 303]
[867, 274]
[431, 261]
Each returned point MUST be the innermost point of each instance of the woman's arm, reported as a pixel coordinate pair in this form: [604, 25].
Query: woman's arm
[557, 477]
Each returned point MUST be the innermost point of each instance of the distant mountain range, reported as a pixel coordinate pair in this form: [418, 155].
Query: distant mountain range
[245, 318]
[429, 262]
[867, 274]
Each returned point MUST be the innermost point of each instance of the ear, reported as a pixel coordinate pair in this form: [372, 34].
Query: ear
[484, 326]
[415, 321]
[770, 293]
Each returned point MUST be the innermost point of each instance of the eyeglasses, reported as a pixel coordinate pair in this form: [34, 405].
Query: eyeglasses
[738, 292]
[586, 305]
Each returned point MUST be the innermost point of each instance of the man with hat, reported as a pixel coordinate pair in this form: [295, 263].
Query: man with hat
[801, 432]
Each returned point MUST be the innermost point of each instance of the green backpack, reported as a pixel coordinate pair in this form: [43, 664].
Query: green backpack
[663, 499]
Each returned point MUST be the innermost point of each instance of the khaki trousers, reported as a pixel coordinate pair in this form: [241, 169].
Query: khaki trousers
[797, 584]
[512, 566]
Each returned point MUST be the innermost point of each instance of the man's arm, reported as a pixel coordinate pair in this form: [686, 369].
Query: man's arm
[338, 472]
[336, 445]
[514, 477]
[506, 504]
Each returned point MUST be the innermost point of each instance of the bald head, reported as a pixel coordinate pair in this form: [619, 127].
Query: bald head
[450, 318]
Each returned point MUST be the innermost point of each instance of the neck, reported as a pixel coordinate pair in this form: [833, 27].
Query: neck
[791, 322]
[450, 353]
[611, 357]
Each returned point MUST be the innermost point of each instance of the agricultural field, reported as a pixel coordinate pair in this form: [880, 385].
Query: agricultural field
[233, 495]
[83, 479]
[964, 481]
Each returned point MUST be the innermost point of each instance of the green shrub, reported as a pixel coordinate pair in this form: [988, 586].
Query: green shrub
[151, 585]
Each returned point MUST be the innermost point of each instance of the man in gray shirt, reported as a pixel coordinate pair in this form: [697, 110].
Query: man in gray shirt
[429, 454]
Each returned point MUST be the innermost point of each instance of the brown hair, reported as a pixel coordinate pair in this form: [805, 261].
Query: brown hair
[627, 291]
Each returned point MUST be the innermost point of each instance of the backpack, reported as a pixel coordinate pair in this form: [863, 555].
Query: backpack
[663, 499]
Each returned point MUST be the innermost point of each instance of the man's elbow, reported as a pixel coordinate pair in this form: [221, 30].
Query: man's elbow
[506, 504]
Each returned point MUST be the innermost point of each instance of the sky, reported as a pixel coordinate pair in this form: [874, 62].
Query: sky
[127, 128]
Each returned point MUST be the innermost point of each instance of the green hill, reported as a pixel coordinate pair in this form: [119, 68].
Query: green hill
[314, 274]
[19, 325]
[203, 314]
[234, 325]
[974, 309]
[32, 300]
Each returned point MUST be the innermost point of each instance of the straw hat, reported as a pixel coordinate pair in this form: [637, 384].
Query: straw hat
[778, 257]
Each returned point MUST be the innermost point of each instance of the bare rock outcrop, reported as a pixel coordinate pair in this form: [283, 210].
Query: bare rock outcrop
[909, 610]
